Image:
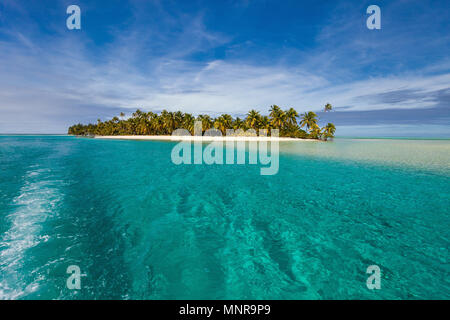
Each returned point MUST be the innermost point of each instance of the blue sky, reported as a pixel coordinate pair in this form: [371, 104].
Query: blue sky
[227, 56]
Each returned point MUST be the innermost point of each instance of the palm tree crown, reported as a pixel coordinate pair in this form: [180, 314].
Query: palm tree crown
[291, 116]
[309, 119]
[253, 118]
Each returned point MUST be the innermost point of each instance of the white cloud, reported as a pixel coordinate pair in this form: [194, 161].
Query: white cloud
[42, 81]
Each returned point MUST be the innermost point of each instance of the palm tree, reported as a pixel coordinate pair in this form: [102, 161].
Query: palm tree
[329, 131]
[278, 117]
[238, 124]
[149, 121]
[138, 113]
[264, 124]
[178, 119]
[142, 127]
[188, 122]
[223, 123]
[166, 121]
[228, 121]
[291, 116]
[206, 120]
[315, 131]
[274, 110]
[252, 119]
[309, 119]
[171, 122]
[158, 125]
[219, 124]
[328, 107]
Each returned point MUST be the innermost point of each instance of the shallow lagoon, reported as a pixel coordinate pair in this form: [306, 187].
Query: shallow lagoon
[141, 227]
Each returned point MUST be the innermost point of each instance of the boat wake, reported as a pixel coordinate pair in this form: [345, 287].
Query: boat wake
[36, 202]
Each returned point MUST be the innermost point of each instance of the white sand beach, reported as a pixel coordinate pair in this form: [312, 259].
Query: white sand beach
[202, 138]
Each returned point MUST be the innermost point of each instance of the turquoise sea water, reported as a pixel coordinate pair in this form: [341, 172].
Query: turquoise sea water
[140, 227]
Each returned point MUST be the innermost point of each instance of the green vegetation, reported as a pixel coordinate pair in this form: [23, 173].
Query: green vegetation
[149, 123]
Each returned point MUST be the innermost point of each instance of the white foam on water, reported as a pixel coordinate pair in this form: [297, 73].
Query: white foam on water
[37, 201]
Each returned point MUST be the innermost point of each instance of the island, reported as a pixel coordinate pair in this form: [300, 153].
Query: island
[164, 125]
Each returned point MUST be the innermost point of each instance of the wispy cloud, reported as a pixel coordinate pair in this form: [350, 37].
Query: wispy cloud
[67, 78]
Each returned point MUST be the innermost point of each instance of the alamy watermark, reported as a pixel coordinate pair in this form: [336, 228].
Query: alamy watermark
[73, 282]
[74, 20]
[233, 145]
[374, 280]
[374, 20]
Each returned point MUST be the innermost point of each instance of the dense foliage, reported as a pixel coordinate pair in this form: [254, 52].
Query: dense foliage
[149, 123]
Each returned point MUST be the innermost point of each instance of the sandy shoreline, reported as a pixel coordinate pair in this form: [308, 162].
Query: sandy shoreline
[200, 138]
